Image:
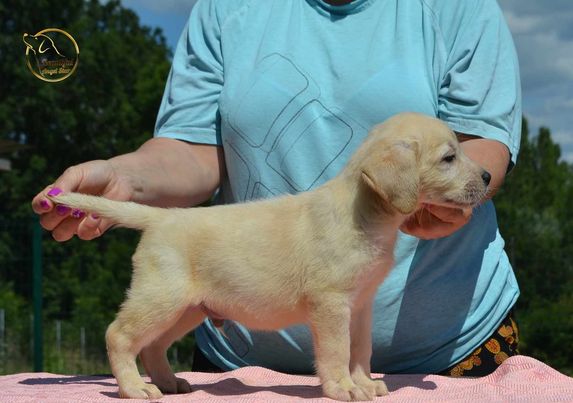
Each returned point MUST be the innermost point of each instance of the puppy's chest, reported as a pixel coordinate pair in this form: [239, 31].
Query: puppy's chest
[376, 270]
[361, 262]
[369, 278]
[379, 260]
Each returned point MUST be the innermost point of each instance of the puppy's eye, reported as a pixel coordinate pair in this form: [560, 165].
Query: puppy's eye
[449, 158]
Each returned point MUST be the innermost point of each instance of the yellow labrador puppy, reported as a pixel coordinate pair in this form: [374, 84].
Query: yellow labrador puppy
[315, 258]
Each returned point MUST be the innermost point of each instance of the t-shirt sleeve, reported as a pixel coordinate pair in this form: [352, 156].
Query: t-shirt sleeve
[189, 108]
[480, 92]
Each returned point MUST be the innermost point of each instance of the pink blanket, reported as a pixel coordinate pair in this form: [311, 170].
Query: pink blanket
[519, 379]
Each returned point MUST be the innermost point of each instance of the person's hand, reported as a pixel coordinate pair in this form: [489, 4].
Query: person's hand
[163, 172]
[94, 177]
[432, 222]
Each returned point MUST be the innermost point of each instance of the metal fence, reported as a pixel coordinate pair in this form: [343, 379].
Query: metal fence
[30, 338]
[23, 331]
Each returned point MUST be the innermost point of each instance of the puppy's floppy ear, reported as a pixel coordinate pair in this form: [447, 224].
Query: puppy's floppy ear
[393, 175]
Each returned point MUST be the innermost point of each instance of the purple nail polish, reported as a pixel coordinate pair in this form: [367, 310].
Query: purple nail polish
[76, 213]
[44, 204]
[62, 210]
[54, 192]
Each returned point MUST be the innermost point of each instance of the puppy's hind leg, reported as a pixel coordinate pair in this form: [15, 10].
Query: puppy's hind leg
[124, 341]
[154, 356]
[155, 303]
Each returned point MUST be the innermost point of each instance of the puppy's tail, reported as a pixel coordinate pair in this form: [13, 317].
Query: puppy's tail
[123, 213]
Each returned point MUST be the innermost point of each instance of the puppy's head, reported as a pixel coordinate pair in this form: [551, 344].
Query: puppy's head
[412, 159]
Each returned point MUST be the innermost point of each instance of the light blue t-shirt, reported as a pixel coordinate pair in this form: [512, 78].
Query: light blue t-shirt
[290, 89]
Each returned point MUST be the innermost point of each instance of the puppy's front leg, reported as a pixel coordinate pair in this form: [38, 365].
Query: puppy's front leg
[361, 351]
[330, 324]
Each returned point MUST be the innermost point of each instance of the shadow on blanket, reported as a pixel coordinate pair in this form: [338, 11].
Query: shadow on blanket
[234, 386]
[396, 382]
[79, 380]
[519, 379]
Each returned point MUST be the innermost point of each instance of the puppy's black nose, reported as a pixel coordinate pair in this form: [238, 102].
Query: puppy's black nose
[486, 177]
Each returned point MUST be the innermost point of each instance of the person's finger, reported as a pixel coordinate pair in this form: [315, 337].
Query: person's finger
[92, 227]
[446, 214]
[438, 230]
[53, 214]
[418, 223]
[434, 222]
[70, 179]
[52, 219]
[65, 229]
[467, 212]
[40, 203]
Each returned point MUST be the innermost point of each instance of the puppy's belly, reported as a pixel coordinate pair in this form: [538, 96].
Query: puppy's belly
[264, 318]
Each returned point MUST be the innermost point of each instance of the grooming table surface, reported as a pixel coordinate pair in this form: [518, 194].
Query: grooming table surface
[518, 379]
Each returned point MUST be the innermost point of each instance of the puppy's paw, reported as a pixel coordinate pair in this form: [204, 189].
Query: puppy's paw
[375, 387]
[173, 385]
[183, 386]
[346, 390]
[143, 391]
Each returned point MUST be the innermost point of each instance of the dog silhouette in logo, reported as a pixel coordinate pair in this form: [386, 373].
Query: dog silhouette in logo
[43, 48]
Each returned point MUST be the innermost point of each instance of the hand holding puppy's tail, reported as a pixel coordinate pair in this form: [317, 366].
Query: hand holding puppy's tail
[124, 213]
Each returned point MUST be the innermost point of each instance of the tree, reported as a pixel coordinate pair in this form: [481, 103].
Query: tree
[106, 108]
[535, 218]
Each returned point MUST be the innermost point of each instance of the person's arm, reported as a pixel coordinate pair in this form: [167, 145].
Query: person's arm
[172, 169]
[433, 222]
[491, 155]
[162, 172]
[479, 97]
[172, 173]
